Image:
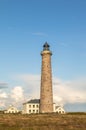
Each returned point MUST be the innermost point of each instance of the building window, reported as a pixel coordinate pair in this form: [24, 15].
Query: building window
[29, 111]
[37, 106]
[33, 106]
[29, 106]
[37, 111]
[33, 111]
[59, 112]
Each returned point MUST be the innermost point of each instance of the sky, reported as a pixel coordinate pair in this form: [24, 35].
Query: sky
[25, 25]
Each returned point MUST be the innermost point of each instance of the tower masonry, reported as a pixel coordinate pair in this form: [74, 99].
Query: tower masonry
[46, 93]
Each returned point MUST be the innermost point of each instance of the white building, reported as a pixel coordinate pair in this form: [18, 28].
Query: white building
[11, 109]
[58, 109]
[32, 106]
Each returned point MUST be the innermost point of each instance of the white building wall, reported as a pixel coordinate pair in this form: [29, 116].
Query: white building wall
[60, 110]
[11, 109]
[29, 108]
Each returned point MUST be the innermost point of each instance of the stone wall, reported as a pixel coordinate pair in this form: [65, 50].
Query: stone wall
[46, 94]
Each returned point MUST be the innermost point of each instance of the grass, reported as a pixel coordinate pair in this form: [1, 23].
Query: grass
[70, 121]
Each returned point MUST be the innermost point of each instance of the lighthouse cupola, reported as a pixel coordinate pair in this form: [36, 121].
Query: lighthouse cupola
[46, 47]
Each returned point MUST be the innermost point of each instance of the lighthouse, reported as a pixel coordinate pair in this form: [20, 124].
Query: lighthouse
[46, 92]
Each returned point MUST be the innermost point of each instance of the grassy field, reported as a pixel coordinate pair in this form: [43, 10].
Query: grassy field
[72, 121]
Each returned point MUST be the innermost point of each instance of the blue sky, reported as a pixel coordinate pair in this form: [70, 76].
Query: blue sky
[25, 25]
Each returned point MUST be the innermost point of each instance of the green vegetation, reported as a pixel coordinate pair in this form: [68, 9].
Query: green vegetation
[70, 121]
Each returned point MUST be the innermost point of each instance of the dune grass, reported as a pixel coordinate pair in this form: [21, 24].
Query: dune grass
[70, 121]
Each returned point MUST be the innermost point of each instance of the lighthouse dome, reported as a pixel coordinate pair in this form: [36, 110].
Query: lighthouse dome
[46, 46]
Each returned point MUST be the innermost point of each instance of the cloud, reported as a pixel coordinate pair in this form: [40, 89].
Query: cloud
[3, 85]
[39, 34]
[17, 94]
[3, 95]
[14, 97]
[2, 104]
[63, 91]
[3, 98]
[32, 85]
[69, 91]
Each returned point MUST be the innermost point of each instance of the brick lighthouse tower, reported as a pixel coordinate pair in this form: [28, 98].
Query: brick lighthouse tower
[46, 94]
